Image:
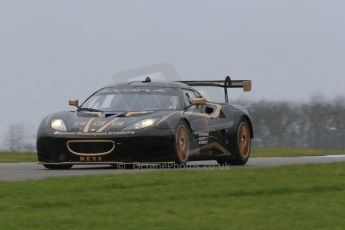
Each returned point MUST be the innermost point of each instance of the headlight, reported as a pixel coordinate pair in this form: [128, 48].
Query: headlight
[141, 124]
[59, 125]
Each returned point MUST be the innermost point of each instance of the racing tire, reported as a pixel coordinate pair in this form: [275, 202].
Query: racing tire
[240, 144]
[58, 167]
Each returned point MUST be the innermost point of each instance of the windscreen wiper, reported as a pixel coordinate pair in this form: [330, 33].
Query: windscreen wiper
[89, 109]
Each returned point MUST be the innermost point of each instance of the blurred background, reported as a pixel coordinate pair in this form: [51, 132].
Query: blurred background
[292, 50]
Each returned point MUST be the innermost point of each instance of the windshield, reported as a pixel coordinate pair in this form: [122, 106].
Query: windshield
[133, 99]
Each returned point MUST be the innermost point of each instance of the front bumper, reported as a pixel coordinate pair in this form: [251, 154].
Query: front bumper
[150, 145]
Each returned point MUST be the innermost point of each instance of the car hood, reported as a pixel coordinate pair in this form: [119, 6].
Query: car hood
[85, 121]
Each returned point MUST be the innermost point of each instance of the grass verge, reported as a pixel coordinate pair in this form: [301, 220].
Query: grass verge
[289, 197]
[294, 152]
[13, 157]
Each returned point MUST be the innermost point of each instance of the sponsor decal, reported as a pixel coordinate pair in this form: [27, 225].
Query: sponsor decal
[203, 138]
[90, 159]
[93, 134]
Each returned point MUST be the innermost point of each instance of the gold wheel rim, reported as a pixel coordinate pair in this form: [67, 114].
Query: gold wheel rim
[244, 140]
[182, 142]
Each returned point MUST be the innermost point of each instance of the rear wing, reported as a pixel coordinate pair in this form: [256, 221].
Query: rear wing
[227, 83]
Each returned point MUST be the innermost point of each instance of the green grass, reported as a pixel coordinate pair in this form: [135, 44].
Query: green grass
[290, 197]
[294, 152]
[12, 157]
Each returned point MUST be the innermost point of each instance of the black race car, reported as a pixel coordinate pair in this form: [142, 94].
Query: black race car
[147, 122]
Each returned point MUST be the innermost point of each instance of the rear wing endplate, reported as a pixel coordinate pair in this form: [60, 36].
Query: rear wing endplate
[227, 83]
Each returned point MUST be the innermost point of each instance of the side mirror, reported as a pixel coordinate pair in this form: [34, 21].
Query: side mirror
[199, 101]
[73, 102]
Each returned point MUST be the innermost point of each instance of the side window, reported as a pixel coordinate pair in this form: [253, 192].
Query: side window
[188, 96]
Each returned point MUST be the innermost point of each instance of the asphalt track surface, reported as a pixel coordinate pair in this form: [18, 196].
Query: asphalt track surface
[32, 171]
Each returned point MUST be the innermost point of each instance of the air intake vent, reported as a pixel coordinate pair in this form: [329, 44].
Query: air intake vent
[91, 147]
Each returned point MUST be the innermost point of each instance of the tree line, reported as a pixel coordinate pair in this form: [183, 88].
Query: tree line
[318, 123]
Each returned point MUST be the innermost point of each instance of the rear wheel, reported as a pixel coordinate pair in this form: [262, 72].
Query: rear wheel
[182, 143]
[240, 145]
[57, 166]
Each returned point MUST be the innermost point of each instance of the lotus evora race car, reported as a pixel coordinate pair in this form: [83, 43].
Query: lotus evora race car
[147, 122]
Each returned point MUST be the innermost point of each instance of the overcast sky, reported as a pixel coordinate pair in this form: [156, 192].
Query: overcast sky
[52, 50]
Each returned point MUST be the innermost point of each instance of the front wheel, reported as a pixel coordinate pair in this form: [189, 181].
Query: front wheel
[182, 143]
[57, 166]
